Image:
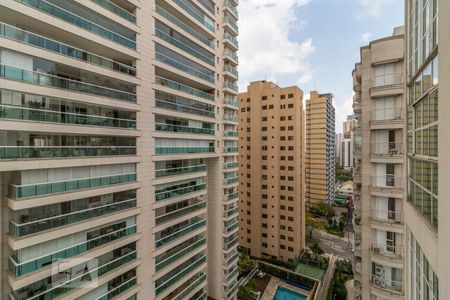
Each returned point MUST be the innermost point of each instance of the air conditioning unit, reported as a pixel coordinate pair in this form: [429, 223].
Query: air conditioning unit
[376, 250]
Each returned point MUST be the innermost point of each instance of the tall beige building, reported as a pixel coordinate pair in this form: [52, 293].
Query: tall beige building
[118, 156]
[320, 149]
[271, 171]
[378, 83]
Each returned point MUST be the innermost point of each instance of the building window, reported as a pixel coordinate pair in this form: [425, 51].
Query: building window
[385, 74]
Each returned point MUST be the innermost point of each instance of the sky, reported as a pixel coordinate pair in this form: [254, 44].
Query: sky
[313, 44]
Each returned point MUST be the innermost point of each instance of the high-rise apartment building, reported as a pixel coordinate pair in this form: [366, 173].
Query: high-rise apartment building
[118, 156]
[271, 145]
[427, 208]
[378, 83]
[320, 149]
[346, 143]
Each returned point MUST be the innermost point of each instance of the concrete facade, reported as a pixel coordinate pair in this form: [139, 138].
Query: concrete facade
[271, 171]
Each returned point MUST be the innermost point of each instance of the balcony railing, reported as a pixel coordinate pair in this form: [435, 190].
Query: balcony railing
[78, 21]
[232, 180]
[183, 88]
[180, 212]
[230, 244]
[387, 148]
[231, 227]
[191, 287]
[183, 150]
[232, 196]
[159, 196]
[175, 106]
[230, 212]
[27, 152]
[194, 12]
[116, 10]
[185, 129]
[231, 149]
[183, 67]
[230, 134]
[40, 225]
[233, 40]
[177, 43]
[49, 116]
[232, 7]
[389, 251]
[40, 189]
[63, 83]
[232, 118]
[231, 165]
[179, 233]
[118, 289]
[33, 39]
[19, 268]
[232, 274]
[390, 216]
[180, 170]
[182, 25]
[231, 86]
[232, 54]
[388, 181]
[162, 264]
[231, 102]
[231, 70]
[232, 23]
[386, 114]
[387, 284]
[232, 257]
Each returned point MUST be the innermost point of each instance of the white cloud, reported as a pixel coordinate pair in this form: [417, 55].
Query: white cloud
[342, 111]
[266, 48]
[373, 8]
[365, 37]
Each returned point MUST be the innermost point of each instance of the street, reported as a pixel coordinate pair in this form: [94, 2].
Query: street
[340, 247]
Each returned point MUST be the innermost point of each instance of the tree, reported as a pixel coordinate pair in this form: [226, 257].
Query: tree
[246, 265]
[323, 210]
[316, 248]
[313, 223]
[245, 291]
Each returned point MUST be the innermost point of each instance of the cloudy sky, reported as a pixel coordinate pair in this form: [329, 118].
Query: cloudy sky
[311, 43]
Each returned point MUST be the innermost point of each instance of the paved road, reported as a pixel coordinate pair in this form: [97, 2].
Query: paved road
[340, 247]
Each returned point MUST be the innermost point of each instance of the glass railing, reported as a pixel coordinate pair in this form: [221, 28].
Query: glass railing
[201, 295]
[183, 67]
[230, 134]
[187, 129]
[388, 181]
[184, 47]
[231, 86]
[231, 165]
[231, 118]
[231, 212]
[232, 180]
[232, 7]
[231, 39]
[232, 257]
[29, 38]
[232, 274]
[230, 149]
[387, 284]
[40, 225]
[63, 83]
[181, 170]
[208, 5]
[179, 233]
[232, 196]
[116, 10]
[49, 116]
[180, 274]
[190, 288]
[387, 148]
[232, 226]
[78, 21]
[194, 12]
[231, 54]
[232, 242]
[231, 70]
[184, 108]
[22, 268]
[57, 289]
[183, 150]
[233, 289]
[46, 188]
[118, 289]
[180, 212]
[25, 152]
[185, 27]
[183, 88]
[232, 102]
[178, 192]
[180, 254]
[232, 22]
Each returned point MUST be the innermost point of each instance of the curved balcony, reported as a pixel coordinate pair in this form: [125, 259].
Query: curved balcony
[194, 12]
[183, 67]
[116, 9]
[183, 88]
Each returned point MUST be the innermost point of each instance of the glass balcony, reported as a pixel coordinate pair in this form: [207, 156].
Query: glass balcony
[179, 191]
[201, 295]
[232, 226]
[232, 23]
[185, 27]
[183, 67]
[186, 129]
[231, 212]
[232, 257]
[22, 268]
[28, 152]
[57, 289]
[231, 149]
[180, 212]
[181, 170]
[49, 116]
[119, 289]
[232, 196]
[78, 21]
[232, 7]
[231, 165]
[387, 284]
[231, 70]
[387, 181]
[201, 279]
[229, 117]
[230, 242]
[184, 47]
[40, 225]
[233, 289]
[63, 83]
[181, 104]
[231, 86]
[231, 180]
[29, 38]
[169, 260]
[188, 7]
[232, 273]
[179, 233]
[232, 54]
[231, 134]
[40, 189]
[183, 88]
[387, 148]
[231, 101]
[183, 150]
[233, 40]
[108, 5]
[179, 272]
